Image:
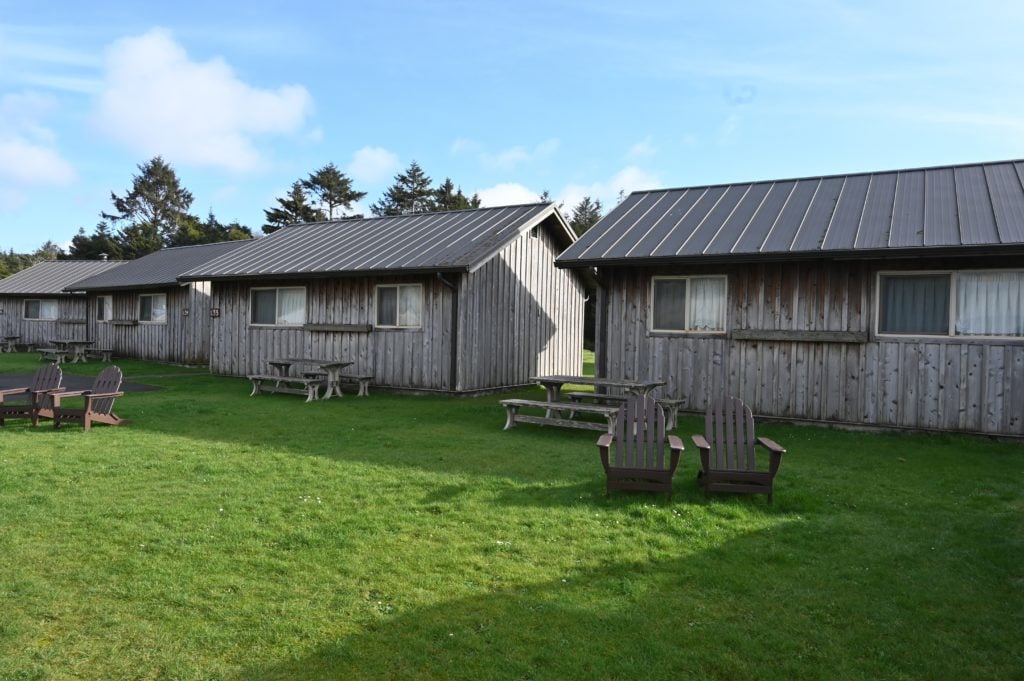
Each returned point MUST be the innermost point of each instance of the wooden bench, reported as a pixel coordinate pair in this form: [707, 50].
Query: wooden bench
[513, 416]
[670, 406]
[266, 383]
[102, 354]
[55, 355]
[362, 381]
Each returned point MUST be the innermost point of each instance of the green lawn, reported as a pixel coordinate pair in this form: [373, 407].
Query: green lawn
[219, 536]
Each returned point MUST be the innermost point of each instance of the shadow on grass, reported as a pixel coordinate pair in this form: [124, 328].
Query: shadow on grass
[704, 615]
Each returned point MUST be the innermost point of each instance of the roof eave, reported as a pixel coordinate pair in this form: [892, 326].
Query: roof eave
[728, 258]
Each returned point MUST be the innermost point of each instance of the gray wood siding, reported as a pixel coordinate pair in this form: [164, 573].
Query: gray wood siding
[401, 358]
[183, 339]
[936, 383]
[70, 322]
[519, 316]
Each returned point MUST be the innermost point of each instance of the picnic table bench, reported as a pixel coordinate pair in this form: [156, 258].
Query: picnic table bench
[102, 354]
[293, 385]
[362, 381]
[552, 415]
[55, 355]
[9, 344]
[671, 406]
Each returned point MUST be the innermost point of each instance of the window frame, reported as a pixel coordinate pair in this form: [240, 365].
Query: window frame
[56, 309]
[277, 307]
[398, 288]
[951, 333]
[152, 321]
[687, 331]
[104, 303]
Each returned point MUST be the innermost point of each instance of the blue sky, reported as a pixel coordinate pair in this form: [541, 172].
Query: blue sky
[506, 98]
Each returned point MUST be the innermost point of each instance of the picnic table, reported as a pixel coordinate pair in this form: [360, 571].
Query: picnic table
[9, 343]
[332, 368]
[553, 406]
[76, 348]
[553, 384]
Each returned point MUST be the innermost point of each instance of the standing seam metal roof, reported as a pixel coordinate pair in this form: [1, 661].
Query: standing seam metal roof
[960, 206]
[455, 240]
[51, 276]
[160, 268]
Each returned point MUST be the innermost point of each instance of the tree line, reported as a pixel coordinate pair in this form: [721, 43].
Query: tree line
[154, 212]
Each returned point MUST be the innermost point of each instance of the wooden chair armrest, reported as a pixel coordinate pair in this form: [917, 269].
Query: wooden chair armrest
[14, 391]
[605, 440]
[771, 445]
[68, 393]
[94, 396]
[700, 442]
[675, 443]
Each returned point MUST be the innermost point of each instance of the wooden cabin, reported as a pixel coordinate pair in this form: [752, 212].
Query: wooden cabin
[889, 299]
[35, 306]
[455, 302]
[141, 311]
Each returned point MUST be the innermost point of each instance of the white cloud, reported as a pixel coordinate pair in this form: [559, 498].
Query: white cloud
[465, 145]
[630, 178]
[507, 194]
[510, 158]
[28, 154]
[156, 100]
[24, 163]
[643, 149]
[371, 165]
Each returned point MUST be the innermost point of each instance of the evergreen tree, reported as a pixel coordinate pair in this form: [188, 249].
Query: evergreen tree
[447, 197]
[411, 193]
[152, 211]
[208, 232]
[292, 209]
[333, 189]
[94, 246]
[585, 215]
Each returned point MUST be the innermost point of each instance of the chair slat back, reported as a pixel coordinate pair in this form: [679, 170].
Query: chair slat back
[640, 434]
[729, 429]
[108, 381]
[47, 378]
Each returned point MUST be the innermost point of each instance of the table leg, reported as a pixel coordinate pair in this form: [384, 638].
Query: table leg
[333, 383]
[554, 393]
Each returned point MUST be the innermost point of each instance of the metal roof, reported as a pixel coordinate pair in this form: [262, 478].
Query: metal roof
[422, 242]
[158, 269]
[966, 208]
[49, 277]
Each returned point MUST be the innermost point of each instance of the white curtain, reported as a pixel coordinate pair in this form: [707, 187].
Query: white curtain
[291, 306]
[410, 305]
[707, 304]
[47, 309]
[990, 304]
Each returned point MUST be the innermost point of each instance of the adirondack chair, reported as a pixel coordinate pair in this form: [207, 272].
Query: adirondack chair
[38, 399]
[726, 449]
[634, 455]
[99, 401]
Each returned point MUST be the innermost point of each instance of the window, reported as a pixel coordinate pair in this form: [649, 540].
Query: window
[41, 309]
[688, 304]
[104, 308]
[964, 303]
[400, 306]
[153, 308]
[278, 306]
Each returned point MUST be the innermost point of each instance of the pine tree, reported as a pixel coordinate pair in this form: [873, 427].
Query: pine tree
[292, 209]
[152, 211]
[411, 193]
[448, 197]
[333, 189]
[585, 215]
[101, 243]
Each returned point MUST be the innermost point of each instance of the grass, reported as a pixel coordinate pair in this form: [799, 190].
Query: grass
[219, 536]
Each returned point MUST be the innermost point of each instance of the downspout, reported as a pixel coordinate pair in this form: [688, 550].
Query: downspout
[453, 378]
